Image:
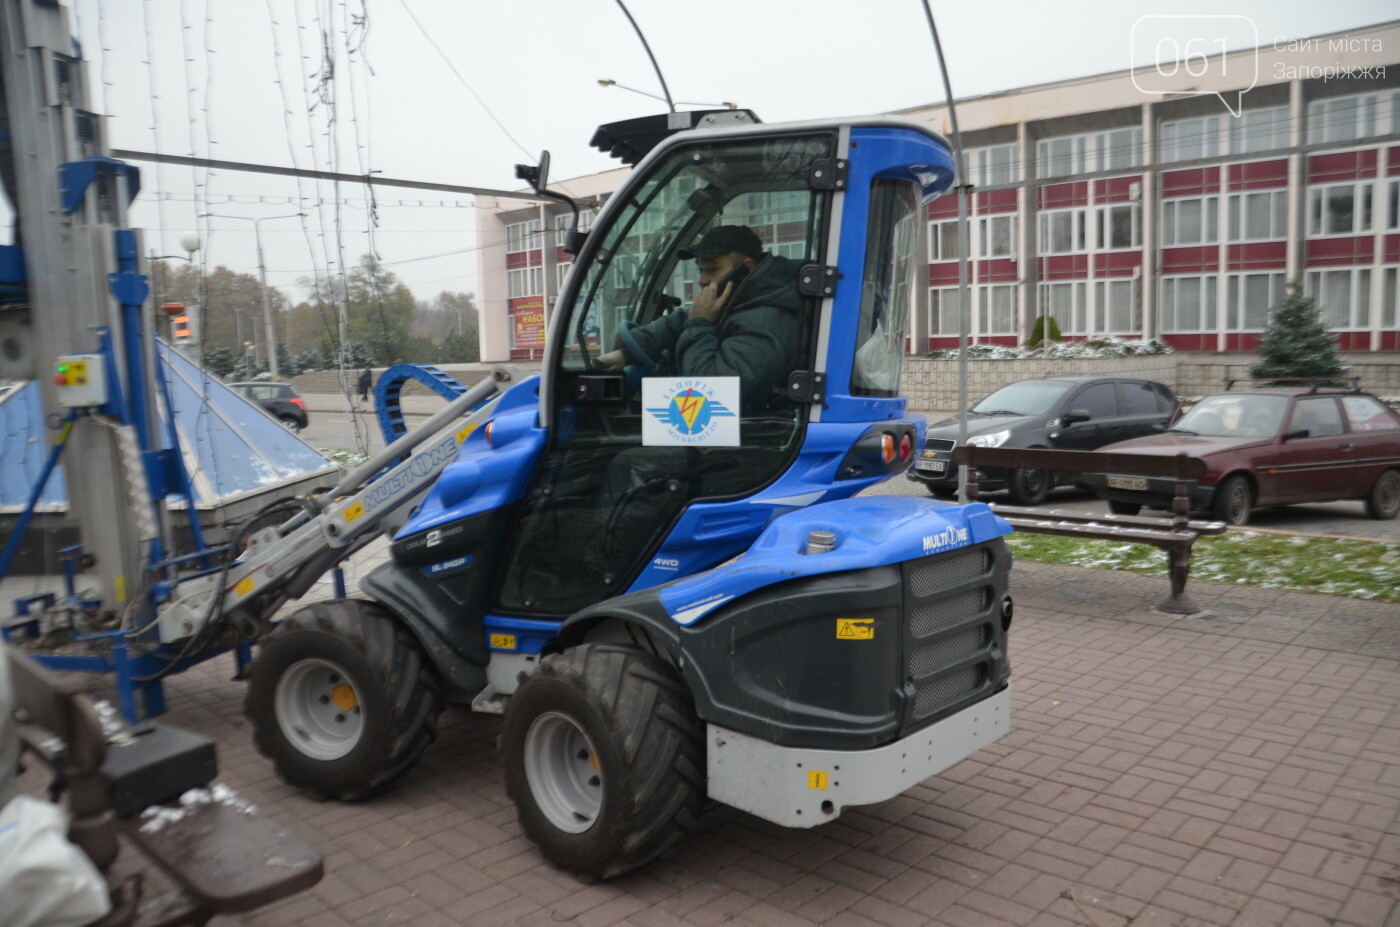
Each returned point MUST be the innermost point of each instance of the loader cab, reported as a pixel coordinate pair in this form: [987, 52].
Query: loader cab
[630, 449]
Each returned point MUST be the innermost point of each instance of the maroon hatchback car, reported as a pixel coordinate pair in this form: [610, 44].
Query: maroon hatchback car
[1271, 447]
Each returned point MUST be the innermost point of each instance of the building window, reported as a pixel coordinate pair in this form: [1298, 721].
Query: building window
[1390, 303]
[1342, 119]
[1065, 303]
[1119, 227]
[943, 240]
[996, 309]
[1187, 139]
[1259, 130]
[1188, 304]
[1189, 221]
[1059, 157]
[1343, 297]
[1251, 299]
[560, 272]
[1062, 231]
[1340, 209]
[996, 236]
[1119, 148]
[943, 310]
[523, 236]
[1392, 210]
[992, 166]
[1119, 307]
[1259, 216]
[564, 221]
[526, 281]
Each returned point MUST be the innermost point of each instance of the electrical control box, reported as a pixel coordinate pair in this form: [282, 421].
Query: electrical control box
[80, 381]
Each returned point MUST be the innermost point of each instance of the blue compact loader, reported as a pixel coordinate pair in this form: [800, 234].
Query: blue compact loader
[651, 558]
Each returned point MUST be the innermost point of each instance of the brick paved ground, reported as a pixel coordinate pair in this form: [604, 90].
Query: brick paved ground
[1242, 769]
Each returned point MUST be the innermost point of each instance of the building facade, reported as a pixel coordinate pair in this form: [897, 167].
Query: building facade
[1117, 212]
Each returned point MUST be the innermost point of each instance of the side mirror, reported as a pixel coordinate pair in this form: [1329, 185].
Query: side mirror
[1075, 416]
[1297, 433]
[536, 177]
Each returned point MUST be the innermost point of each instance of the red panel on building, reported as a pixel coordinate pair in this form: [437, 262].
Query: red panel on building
[1330, 252]
[945, 207]
[1257, 255]
[1354, 341]
[997, 270]
[1197, 260]
[1063, 195]
[1192, 182]
[1390, 249]
[1346, 165]
[1257, 175]
[1390, 340]
[1117, 189]
[516, 260]
[1064, 267]
[1199, 342]
[1118, 263]
[996, 201]
[1393, 160]
[1247, 341]
[945, 274]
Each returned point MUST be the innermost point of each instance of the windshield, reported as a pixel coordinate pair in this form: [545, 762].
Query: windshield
[1029, 397]
[639, 275]
[1235, 415]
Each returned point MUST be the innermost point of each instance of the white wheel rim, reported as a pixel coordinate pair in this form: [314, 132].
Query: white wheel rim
[319, 710]
[562, 771]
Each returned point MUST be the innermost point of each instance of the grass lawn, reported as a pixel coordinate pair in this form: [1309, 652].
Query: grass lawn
[1357, 569]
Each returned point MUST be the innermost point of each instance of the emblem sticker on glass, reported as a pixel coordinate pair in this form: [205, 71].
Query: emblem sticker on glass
[690, 411]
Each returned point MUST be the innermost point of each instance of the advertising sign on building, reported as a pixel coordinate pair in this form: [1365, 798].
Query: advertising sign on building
[527, 322]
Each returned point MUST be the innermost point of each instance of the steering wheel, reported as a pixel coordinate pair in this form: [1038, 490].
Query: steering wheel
[645, 366]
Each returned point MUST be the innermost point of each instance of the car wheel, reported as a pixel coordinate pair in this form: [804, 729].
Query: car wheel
[290, 424]
[1124, 508]
[941, 492]
[340, 699]
[1234, 497]
[1384, 499]
[1029, 487]
[604, 758]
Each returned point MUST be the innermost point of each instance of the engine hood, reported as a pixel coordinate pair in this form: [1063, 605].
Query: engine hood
[982, 424]
[1167, 444]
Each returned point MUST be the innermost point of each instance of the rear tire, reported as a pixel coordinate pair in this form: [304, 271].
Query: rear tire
[339, 699]
[1383, 502]
[1124, 508]
[1234, 498]
[604, 758]
[1029, 487]
[938, 492]
[290, 424]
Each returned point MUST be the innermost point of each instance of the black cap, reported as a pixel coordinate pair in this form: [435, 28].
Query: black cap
[723, 239]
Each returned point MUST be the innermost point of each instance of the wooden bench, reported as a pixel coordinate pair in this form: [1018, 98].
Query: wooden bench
[1175, 534]
[222, 858]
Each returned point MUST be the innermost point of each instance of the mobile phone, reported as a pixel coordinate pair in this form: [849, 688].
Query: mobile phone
[735, 276]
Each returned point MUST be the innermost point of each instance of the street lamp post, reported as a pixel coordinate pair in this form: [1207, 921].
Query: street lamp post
[262, 282]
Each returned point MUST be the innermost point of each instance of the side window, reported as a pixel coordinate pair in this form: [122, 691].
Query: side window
[1365, 413]
[1098, 400]
[1140, 399]
[891, 266]
[1319, 416]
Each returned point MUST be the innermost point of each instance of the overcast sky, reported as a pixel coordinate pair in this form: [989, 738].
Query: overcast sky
[459, 91]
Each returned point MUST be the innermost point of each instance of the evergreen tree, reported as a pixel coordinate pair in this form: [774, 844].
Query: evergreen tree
[1296, 344]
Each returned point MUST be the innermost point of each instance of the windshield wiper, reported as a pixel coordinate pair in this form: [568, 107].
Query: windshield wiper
[996, 412]
[1185, 431]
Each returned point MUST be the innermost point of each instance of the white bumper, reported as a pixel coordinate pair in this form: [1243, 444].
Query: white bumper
[797, 787]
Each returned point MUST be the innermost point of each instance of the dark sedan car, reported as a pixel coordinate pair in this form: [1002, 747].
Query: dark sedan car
[1058, 413]
[279, 399]
[1272, 447]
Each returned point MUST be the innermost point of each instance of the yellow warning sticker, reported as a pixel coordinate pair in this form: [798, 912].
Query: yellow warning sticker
[817, 779]
[502, 641]
[244, 586]
[354, 512]
[465, 433]
[855, 629]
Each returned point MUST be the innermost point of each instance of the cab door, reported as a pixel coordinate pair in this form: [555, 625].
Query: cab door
[628, 452]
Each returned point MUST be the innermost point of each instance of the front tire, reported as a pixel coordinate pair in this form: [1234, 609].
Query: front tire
[1234, 498]
[1124, 508]
[1029, 487]
[1383, 502]
[339, 699]
[604, 758]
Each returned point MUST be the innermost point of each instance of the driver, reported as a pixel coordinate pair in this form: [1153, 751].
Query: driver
[745, 320]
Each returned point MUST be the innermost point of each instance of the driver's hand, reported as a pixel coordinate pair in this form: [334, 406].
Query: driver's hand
[613, 360]
[708, 304]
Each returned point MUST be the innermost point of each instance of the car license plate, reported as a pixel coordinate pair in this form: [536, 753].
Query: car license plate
[1137, 483]
[931, 466]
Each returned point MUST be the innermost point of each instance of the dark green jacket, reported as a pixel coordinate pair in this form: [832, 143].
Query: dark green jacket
[758, 338]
